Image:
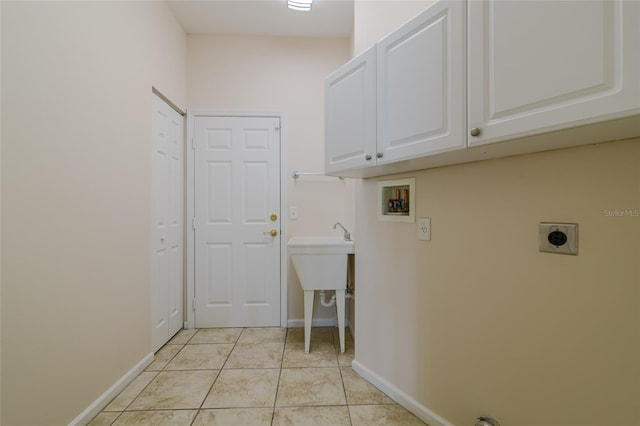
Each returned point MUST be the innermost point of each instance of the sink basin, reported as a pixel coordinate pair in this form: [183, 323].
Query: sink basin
[320, 245]
[321, 262]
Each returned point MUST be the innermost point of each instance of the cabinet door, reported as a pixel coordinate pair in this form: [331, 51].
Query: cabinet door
[421, 85]
[350, 114]
[538, 66]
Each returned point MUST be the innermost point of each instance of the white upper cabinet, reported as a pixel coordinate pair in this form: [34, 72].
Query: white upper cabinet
[418, 76]
[537, 66]
[350, 114]
[518, 77]
[421, 85]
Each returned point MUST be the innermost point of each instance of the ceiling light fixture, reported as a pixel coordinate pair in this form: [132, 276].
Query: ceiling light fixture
[301, 5]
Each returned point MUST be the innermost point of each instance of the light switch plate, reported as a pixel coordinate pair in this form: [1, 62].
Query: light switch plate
[293, 212]
[559, 238]
[424, 228]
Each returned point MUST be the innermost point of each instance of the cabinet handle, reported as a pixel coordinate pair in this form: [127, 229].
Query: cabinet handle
[379, 155]
[367, 157]
[475, 131]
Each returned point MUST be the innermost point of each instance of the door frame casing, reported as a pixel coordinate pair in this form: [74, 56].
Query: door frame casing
[190, 208]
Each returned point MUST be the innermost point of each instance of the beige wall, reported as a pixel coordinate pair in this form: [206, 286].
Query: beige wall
[375, 19]
[0, 218]
[284, 75]
[76, 198]
[477, 321]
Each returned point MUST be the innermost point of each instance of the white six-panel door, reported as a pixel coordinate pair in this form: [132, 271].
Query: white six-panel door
[237, 206]
[167, 217]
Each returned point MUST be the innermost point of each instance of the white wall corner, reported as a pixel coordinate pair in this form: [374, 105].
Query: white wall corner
[419, 410]
[103, 400]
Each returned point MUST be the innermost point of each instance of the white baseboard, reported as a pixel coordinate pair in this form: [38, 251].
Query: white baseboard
[316, 322]
[103, 400]
[419, 410]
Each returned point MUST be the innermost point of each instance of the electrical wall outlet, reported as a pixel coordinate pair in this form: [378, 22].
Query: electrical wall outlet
[559, 238]
[424, 228]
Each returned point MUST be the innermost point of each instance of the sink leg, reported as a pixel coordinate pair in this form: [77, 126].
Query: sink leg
[340, 309]
[308, 315]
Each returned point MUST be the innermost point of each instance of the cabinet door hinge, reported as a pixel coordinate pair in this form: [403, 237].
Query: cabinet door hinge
[193, 223]
[193, 304]
[193, 144]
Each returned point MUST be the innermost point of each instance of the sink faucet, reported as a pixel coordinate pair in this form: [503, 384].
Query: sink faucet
[347, 235]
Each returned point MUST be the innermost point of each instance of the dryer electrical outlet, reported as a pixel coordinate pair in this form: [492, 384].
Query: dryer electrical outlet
[559, 238]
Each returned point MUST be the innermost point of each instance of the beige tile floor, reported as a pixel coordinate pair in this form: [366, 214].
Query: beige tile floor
[253, 377]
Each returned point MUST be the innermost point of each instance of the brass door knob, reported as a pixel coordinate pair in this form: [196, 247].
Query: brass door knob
[273, 233]
[274, 217]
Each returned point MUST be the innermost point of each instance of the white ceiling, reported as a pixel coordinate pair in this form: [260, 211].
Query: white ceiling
[328, 18]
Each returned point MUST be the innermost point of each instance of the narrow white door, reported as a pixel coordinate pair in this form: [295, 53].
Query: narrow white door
[167, 232]
[237, 221]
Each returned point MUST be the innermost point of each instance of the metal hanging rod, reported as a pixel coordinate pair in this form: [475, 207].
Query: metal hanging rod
[296, 174]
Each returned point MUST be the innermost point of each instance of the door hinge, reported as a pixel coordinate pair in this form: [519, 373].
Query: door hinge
[193, 223]
[193, 144]
[193, 304]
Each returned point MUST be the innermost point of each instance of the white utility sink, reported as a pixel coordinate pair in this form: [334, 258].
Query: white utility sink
[321, 264]
[320, 245]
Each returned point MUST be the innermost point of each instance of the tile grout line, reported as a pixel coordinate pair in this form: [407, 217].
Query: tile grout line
[217, 375]
[190, 341]
[156, 373]
[275, 399]
[141, 390]
[346, 398]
